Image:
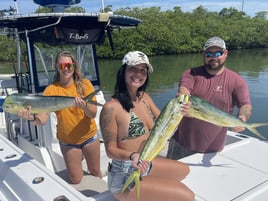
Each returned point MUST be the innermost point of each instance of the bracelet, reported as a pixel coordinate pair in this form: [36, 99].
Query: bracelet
[130, 156]
[34, 118]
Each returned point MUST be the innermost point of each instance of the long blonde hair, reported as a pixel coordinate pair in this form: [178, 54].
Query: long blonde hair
[77, 76]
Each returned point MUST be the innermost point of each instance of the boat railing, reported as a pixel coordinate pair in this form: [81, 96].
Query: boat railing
[43, 64]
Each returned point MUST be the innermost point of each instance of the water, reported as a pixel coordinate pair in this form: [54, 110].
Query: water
[252, 65]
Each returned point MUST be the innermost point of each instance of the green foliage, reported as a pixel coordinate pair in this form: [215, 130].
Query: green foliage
[7, 49]
[73, 9]
[174, 31]
[42, 9]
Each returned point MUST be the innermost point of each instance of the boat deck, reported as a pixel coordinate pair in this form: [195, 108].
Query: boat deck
[89, 186]
[239, 172]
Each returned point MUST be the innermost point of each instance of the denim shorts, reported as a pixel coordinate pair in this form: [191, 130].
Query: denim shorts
[118, 173]
[80, 146]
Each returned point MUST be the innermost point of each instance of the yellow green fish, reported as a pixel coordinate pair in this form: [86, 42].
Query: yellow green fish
[203, 110]
[15, 102]
[163, 128]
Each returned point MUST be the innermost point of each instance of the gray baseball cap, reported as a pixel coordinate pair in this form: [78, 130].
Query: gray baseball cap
[135, 58]
[214, 42]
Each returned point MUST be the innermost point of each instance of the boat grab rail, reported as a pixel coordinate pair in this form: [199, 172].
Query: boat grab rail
[42, 27]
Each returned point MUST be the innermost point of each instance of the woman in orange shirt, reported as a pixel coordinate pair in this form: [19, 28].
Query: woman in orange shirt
[76, 127]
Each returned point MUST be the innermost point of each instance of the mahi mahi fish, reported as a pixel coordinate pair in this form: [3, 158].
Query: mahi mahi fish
[203, 110]
[15, 102]
[163, 128]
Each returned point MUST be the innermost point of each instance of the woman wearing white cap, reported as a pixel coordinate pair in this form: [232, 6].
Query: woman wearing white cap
[125, 123]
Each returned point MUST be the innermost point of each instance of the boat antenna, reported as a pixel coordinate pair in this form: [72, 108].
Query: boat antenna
[16, 7]
[102, 5]
[17, 40]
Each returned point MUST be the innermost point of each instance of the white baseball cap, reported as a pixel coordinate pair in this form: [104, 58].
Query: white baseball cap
[137, 57]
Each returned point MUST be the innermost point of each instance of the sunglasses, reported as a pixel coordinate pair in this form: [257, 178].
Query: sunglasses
[69, 66]
[214, 54]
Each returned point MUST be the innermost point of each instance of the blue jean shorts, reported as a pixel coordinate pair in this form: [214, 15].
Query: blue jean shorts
[118, 173]
[80, 146]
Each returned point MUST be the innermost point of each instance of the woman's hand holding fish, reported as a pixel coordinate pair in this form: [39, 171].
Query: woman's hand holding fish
[89, 109]
[185, 108]
[79, 102]
[25, 113]
[141, 165]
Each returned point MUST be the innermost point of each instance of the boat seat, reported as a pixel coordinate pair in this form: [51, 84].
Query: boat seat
[9, 83]
[43, 79]
[7, 86]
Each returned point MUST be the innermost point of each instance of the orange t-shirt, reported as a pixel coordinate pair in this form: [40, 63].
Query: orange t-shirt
[74, 126]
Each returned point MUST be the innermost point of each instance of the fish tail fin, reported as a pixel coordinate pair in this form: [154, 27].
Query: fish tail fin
[137, 183]
[253, 129]
[88, 98]
[135, 176]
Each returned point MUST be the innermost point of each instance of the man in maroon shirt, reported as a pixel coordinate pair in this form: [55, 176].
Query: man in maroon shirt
[219, 85]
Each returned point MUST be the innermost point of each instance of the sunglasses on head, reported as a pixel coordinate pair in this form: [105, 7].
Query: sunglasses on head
[69, 66]
[214, 54]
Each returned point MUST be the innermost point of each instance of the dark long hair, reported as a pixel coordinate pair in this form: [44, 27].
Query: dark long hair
[120, 90]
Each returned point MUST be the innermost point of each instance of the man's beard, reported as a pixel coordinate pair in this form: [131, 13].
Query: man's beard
[214, 67]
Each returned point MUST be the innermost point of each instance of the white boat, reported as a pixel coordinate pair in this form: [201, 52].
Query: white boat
[31, 164]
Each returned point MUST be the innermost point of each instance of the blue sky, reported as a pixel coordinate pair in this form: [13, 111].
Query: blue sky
[250, 6]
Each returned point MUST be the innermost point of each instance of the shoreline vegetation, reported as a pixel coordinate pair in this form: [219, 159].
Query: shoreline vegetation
[172, 32]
